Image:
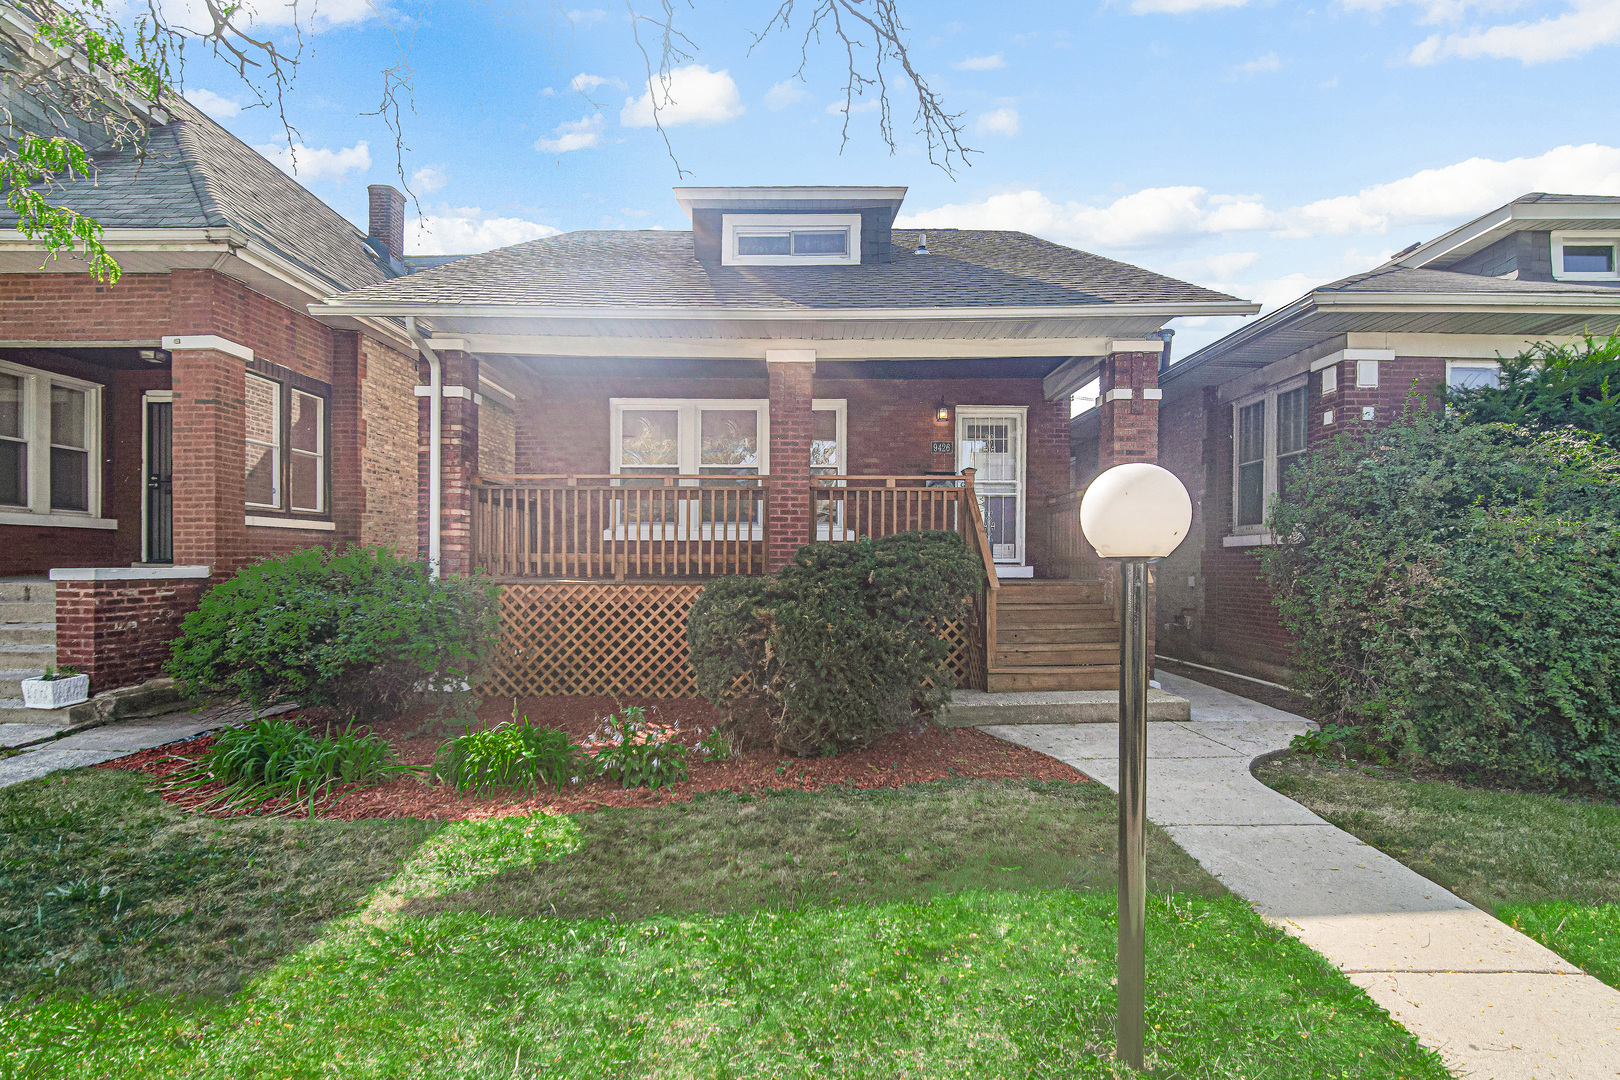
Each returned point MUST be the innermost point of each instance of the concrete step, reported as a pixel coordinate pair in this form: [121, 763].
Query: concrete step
[1091, 677]
[30, 611]
[1057, 635]
[11, 680]
[28, 654]
[26, 633]
[975, 708]
[27, 590]
[1057, 654]
[1052, 592]
[1052, 616]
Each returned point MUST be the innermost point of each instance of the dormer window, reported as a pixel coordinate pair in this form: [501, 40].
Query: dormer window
[791, 240]
[1585, 256]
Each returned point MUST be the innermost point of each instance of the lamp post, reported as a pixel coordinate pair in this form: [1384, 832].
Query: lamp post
[1137, 513]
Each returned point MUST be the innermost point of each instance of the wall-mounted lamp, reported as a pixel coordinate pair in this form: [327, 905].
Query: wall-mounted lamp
[942, 411]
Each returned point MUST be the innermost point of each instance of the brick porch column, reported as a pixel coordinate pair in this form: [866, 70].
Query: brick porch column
[1130, 404]
[210, 444]
[458, 460]
[787, 519]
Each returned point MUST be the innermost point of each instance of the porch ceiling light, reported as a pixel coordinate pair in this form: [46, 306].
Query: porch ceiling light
[942, 411]
[1135, 511]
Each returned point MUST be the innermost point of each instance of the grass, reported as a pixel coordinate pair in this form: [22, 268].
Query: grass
[1550, 865]
[962, 929]
[104, 888]
[723, 854]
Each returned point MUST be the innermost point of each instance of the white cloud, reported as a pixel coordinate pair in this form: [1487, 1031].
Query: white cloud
[584, 83]
[467, 230]
[585, 17]
[311, 163]
[581, 134]
[836, 108]
[1151, 218]
[220, 108]
[1586, 26]
[981, 63]
[1214, 269]
[261, 13]
[1000, 122]
[785, 93]
[427, 179]
[1180, 7]
[693, 95]
[1453, 194]
[1268, 62]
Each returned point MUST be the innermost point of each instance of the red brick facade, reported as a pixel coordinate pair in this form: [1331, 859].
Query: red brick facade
[118, 632]
[1130, 426]
[792, 430]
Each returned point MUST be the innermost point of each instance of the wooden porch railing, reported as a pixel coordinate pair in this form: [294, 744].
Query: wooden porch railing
[850, 507]
[588, 527]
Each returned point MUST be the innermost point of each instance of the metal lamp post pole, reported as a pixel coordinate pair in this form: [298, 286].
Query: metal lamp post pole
[1133, 689]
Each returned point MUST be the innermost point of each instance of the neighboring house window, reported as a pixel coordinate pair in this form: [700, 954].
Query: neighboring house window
[1268, 441]
[790, 239]
[1585, 256]
[50, 435]
[263, 442]
[287, 438]
[1471, 374]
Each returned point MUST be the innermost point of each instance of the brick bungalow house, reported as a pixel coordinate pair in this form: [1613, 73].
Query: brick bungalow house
[160, 433]
[1235, 413]
[626, 413]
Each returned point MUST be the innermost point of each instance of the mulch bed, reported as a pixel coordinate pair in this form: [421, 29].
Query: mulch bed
[925, 752]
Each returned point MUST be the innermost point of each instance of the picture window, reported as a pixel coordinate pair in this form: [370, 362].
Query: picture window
[50, 443]
[286, 443]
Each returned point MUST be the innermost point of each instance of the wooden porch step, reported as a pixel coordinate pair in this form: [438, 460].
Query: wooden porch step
[1017, 616]
[1051, 592]
[1090, 677]
[1059, 635]
[1056, 654]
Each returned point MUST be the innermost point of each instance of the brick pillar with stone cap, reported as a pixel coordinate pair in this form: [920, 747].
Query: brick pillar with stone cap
[1129, 404]
[793, 428]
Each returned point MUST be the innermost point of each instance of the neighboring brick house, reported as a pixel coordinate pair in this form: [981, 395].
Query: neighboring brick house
[1236, 412]
[684, 404]
[166, 430]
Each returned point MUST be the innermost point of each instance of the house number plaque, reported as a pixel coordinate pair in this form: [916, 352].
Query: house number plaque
[942, 446]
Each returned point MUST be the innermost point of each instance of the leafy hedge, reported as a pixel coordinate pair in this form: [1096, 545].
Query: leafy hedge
[1454, 592]
[1550, 386]
[840, 646]
[359, 631]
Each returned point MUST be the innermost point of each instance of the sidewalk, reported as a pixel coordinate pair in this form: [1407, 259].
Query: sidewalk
[118, 739]
[1494, 1003]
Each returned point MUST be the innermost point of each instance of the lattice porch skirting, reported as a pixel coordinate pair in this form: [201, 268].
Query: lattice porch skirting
[603, 638]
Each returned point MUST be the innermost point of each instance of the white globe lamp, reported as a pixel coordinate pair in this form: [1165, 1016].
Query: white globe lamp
[1136, 513]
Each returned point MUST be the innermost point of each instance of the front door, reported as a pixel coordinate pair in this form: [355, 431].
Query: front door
[159, 469]
[990, 440]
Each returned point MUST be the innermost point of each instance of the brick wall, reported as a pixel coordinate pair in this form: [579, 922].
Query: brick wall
[1397, 380]
[387, 434]
[1129, 427]
[1182, 450]
[787, 516]
[118, 632]
[458, 463]
[497, 437]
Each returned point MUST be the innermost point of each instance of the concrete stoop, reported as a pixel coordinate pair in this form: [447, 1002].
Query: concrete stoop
[21, 728]
[976, 708]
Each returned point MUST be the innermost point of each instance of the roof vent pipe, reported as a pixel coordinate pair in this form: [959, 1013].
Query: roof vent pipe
[1164, 357]
[922, 244]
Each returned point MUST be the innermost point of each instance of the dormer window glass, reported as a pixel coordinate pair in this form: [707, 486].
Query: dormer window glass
[791, 240]
[1585, 256]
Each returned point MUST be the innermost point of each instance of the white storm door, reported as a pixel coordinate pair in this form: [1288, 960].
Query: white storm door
[990, 440]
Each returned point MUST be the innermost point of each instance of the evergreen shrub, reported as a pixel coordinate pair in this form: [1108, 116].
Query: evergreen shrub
[838, 648]
[1454, 593]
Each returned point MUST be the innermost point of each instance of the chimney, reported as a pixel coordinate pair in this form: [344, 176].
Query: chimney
[388, 218]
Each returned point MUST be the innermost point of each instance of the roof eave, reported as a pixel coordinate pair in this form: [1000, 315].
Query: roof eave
[337, 306]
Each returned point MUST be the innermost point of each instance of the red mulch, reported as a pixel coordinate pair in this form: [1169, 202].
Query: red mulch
[926, 752]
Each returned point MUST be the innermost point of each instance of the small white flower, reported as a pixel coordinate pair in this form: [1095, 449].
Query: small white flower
[575, 780]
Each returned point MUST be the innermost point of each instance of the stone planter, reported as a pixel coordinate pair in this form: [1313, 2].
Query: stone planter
[55, 693]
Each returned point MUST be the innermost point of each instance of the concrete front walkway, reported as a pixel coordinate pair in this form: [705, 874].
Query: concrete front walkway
[119, 739]
[1494, 1003]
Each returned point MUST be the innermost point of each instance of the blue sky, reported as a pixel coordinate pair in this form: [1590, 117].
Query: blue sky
[1259, 148]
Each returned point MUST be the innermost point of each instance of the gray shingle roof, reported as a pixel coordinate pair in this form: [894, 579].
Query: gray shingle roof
[967, 268]
[1401, 279]
[195, 174]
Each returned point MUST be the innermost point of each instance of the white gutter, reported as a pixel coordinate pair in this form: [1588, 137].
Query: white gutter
[435, 425]
[1170, 309]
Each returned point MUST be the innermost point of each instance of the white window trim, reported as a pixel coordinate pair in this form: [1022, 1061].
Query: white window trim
[1475, 365]
[687, 452]
[743, 224]
[37, 435]
[319, 455]
[275, 426]
[1584, 239]
[1268, 484]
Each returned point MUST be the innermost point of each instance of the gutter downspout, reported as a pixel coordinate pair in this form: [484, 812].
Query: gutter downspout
[435, 432]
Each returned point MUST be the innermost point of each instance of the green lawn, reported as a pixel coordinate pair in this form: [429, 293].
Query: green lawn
[939, 931]
[1549, 865]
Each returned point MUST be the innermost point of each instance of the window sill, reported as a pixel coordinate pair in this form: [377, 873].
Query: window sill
[1264, 539]
[56, 521]
[307, 524]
